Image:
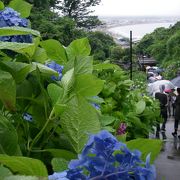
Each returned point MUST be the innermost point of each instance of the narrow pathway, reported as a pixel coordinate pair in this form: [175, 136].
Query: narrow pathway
[168, 162]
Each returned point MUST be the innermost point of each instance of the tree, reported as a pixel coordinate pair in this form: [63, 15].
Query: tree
[52, 26]
[79, 10]
[101, 44]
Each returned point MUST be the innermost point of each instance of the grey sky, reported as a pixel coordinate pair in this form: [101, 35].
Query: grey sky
[138, 7]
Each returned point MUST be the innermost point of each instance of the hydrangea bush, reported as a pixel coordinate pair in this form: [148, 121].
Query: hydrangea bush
[8, 18]
[104, 157]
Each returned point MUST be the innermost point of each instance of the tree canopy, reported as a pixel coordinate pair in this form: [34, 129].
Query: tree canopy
[79, 10]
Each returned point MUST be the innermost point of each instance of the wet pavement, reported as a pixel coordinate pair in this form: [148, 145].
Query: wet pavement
[168, 162]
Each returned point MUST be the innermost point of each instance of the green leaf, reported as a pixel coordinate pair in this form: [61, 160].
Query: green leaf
[79, 47]
[55, 92]
[55, 50]
[23, 7]
[78, 120]
[4, 172]
[68, 82]
[140, 106]
[102, 66]
[7, 90]
[61, 153]
[59, 108]
[40, 55]
[24, 178]
[26, 49]
[146, 146]
[83, 65]
[88, 85]
[1, 5]
[16, 30]
[107, 120]
[59, 164]
[8, 137]
[24, 165]
[43, 69]
[18, 70]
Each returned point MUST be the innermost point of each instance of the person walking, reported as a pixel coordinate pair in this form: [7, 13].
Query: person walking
[177, 113]
[163, 99]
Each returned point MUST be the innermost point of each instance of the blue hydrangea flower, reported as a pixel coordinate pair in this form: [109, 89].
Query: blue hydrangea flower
[58, 68]
[27, 117]
[97, 106]
[8, 18]
[58, 176]
[104, 157]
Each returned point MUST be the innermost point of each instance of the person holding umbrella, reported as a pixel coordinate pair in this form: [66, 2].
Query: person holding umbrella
[163, 99]
[177, 113]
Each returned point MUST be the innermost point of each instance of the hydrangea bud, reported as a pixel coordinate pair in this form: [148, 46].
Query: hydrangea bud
[121, 129]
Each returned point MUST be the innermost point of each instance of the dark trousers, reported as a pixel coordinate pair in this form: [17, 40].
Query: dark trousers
[176, 122]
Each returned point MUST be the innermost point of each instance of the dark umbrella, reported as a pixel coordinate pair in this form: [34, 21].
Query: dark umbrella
[176, 81]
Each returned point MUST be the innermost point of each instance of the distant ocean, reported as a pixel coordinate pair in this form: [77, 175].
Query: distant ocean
[138, 30]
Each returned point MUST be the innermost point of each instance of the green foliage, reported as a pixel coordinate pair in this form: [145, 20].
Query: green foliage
[7, 90]
[52, 26]
[79, 11]
[59, 164]
[125, 105]
[163, 45]
[100, 45]
[24, 165]
[22, 7]
[1, 5]
[8, 137]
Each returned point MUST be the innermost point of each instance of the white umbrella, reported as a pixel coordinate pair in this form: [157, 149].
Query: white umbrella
[155, 86]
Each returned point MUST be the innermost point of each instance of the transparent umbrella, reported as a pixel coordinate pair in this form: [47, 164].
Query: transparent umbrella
[154, 87]
[176, 81]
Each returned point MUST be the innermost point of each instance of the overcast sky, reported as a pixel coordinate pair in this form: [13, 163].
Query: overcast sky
[138, 7]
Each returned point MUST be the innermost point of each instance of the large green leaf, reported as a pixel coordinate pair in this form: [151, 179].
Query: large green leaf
[18, 70]
[68, 82]
[78, 120]
[21, 6]
[83, 65]
[79, 47]
[26, 49]
[43, 69]
[88, 85]
[40, 55]
[4, 172]
[100, 67]
[61, 153]
[1, 5]
[24, 178]
[140, 106]
[24, 165]
[55, 50]
[55, 92]
[16, 30]
[7, 90]
[59, 164]
[146, 146]
[8, 137]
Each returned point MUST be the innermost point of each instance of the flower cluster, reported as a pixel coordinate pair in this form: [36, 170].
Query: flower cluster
[8, 18]
[104, 157]
[121, 129]
[58, 68]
